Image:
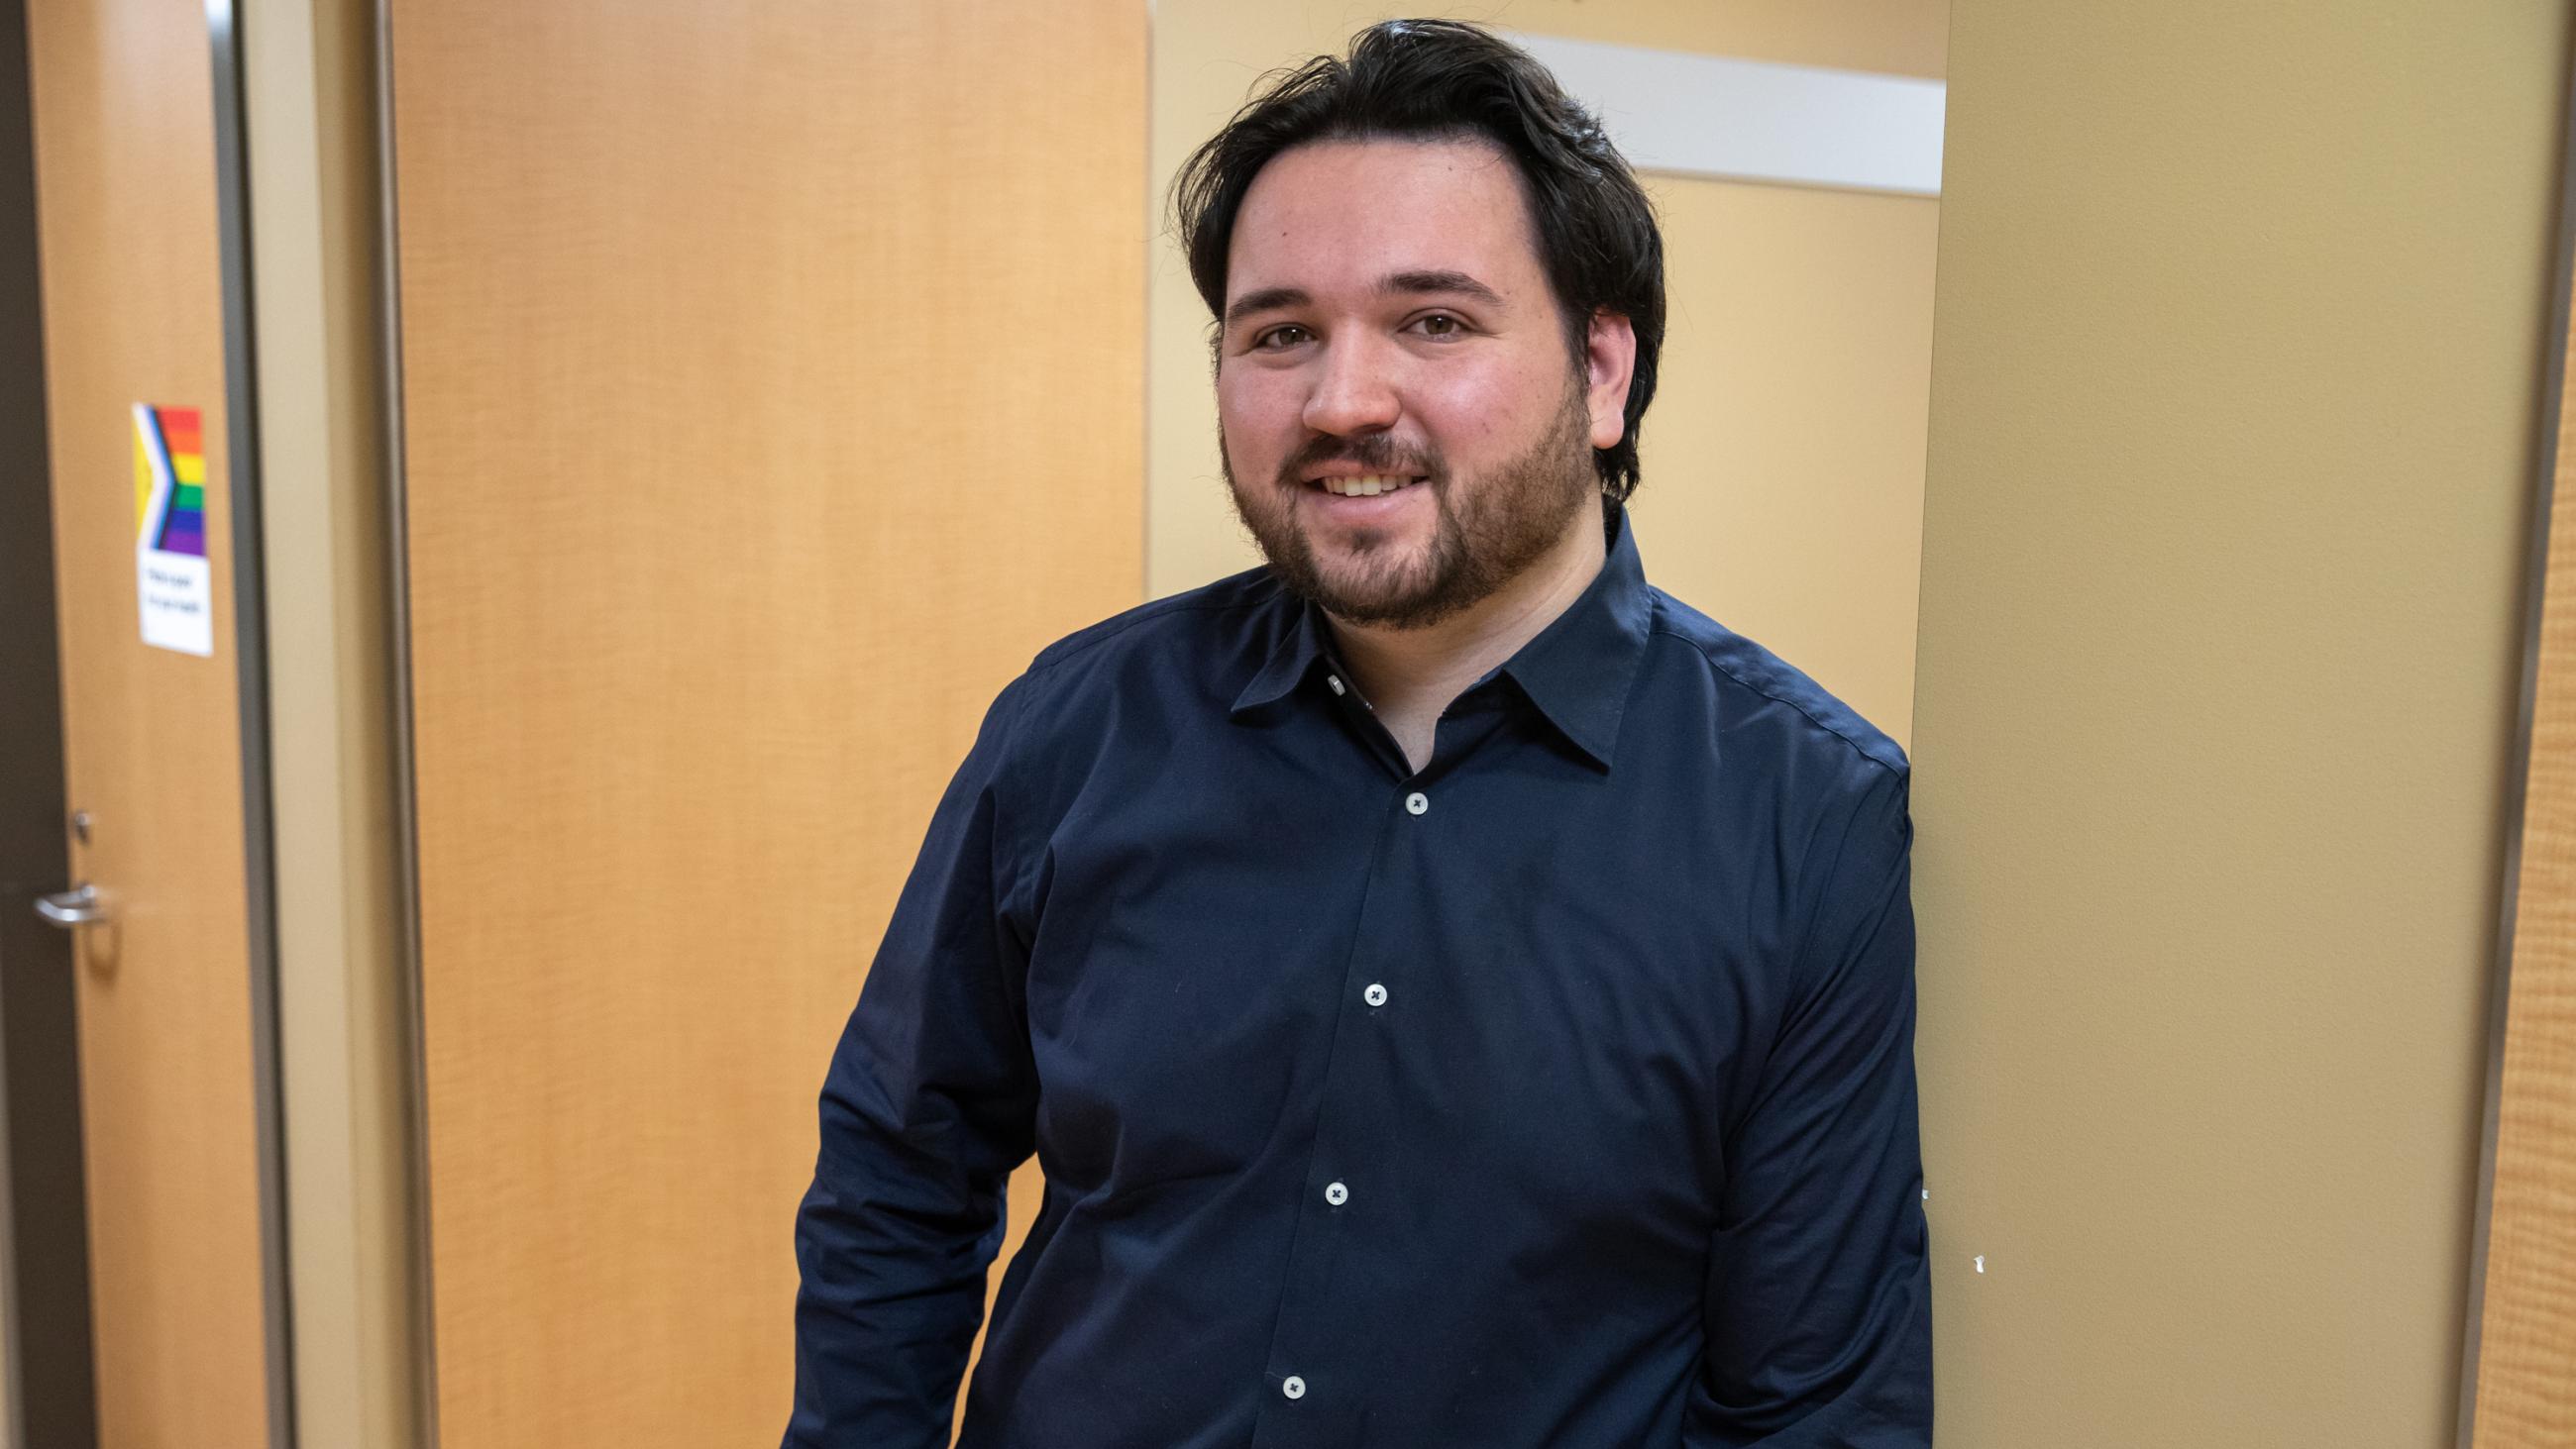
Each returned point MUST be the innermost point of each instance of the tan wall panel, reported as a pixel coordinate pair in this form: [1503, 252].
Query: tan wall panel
[2238, 323]
[1783, 456]
[307, 75]
[771, 396]
[344, 1068]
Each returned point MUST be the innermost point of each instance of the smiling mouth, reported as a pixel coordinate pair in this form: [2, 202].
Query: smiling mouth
[1368, 485]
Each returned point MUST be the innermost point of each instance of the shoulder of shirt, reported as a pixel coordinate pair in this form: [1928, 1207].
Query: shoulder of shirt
[1092, 659]
[1156, 620]
[1740, 663]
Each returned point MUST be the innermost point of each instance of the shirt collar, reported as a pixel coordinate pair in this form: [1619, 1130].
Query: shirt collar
[1576, 672]
[1298, 637]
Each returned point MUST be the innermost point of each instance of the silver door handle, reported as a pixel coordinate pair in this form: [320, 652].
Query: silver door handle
[79, 906]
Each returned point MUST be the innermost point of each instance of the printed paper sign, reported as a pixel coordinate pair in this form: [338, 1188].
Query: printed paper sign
[177, 584]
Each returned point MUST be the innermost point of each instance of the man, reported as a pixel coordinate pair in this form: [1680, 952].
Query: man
[1458, 995]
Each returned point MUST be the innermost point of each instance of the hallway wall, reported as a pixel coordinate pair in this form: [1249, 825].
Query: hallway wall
[2234, 388]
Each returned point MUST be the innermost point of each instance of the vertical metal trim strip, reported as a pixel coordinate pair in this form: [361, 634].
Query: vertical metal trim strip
[2535, 581]
[250, 635]
[406, 783]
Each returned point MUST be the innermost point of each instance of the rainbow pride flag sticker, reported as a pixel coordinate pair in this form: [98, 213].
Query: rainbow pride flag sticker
[175, 583]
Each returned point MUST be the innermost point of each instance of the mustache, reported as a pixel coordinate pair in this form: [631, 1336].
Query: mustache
[1374, 452]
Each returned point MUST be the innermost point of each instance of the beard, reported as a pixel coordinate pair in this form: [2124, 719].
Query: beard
[1489, 531]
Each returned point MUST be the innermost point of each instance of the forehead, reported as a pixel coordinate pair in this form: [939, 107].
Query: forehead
[1343, 214]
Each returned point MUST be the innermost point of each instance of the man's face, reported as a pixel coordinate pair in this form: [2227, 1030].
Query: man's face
[1389, 327]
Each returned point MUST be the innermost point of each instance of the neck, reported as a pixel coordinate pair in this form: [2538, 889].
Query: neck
[1410, 675]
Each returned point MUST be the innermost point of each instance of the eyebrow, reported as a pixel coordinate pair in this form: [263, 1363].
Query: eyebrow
[1406, 283]
[1267, 299]
[1442, 282]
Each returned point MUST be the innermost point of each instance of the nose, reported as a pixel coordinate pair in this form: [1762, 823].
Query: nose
[1354, 390]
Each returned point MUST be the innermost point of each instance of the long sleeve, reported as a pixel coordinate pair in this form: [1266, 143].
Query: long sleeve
[1818, 1309]
[928, 1106]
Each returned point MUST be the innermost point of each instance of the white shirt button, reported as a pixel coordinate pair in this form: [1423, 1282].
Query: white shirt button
[1335, 681]
[1417, 802]
[1336, 1194]
[1295, 1388]
[1375, 995]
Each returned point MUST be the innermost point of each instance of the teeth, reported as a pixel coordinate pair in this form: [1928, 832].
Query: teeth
[1367, 487]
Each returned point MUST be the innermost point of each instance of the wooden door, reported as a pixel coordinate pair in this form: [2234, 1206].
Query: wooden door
[124, 118]
[771, 392]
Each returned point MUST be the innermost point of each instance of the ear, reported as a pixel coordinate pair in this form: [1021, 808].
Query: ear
[1609, 359]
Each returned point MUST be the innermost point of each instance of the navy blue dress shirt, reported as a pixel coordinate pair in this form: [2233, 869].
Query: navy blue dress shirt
[1558, 1094]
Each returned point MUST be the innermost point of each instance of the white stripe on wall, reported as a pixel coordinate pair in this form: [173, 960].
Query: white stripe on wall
[1754, 120]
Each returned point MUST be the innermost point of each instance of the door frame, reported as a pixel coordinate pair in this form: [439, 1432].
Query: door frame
[319, 287]
[50, 1390]
[250, 645]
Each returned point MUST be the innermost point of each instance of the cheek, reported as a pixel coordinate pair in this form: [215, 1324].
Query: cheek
[1474, 415]
[1259, 418]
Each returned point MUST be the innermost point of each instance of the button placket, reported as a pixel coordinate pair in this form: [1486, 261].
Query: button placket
[1313, 1329]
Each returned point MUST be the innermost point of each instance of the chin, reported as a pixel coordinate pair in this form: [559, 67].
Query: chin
[1374, 595]
[1387, 571]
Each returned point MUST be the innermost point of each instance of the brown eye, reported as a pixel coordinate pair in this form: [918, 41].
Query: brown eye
[1278, 337]
[1442, 325]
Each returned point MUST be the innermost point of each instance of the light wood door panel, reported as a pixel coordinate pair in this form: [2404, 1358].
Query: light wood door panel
[772, 390]
[133, 312]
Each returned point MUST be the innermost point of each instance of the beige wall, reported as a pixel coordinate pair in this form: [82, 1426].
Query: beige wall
[309, 69]
[1783, 455]
[2240, 311]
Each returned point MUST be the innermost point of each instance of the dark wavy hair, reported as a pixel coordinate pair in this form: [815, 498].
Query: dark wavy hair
[1442, 79]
